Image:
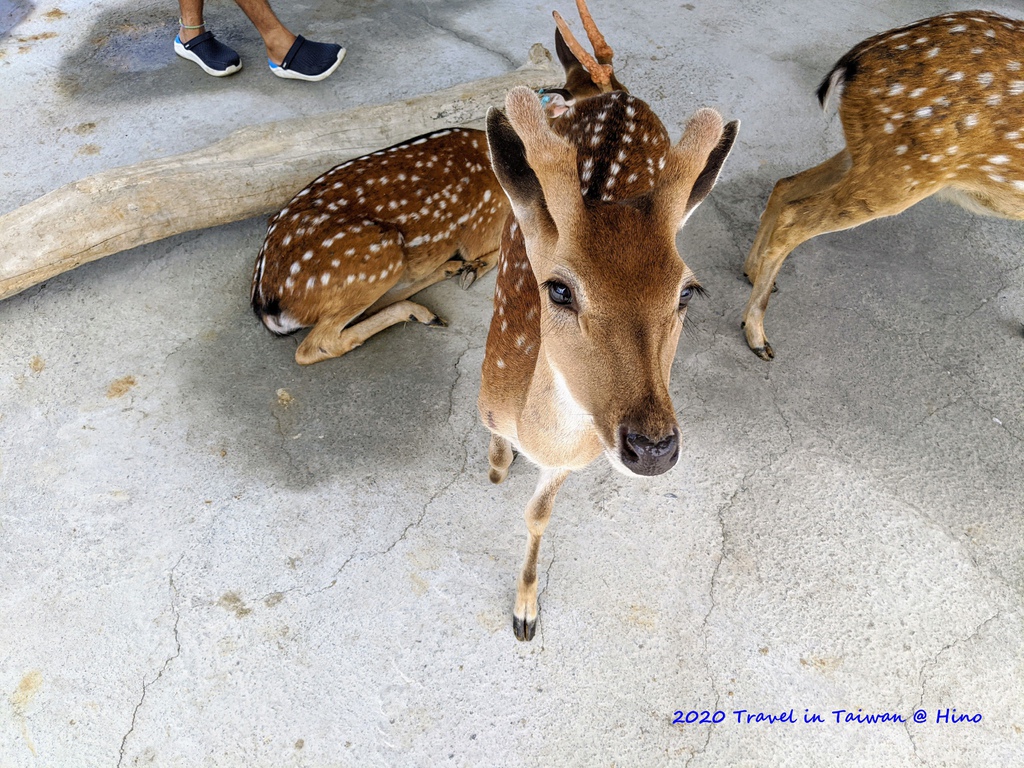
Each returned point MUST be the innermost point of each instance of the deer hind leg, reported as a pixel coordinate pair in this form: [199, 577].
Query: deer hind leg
[331, 338]
[401, 292]
[852, 201]
[797, 187]
[538, 512]
[500, 456]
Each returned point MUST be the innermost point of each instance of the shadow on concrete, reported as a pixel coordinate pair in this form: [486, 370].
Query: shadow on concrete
[12, 13]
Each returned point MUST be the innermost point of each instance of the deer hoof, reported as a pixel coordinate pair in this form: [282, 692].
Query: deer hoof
[524, 629]
[765, 353]
[466, 278]
[437, 322]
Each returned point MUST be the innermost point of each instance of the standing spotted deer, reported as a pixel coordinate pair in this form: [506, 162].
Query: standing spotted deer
[348, 251]
[591, 292]
[936, 106]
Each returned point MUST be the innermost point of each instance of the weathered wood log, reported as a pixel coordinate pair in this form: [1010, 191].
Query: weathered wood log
[257, 170]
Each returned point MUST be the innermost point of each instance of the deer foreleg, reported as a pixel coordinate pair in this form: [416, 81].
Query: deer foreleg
[330, 338]
[538, 512]
[500, 456]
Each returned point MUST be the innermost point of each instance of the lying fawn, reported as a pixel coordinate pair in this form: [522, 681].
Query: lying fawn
[936, 106]
[350, 249]
[591, 292]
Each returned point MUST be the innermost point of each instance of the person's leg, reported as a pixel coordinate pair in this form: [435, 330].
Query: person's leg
[276, 36]
[293, 57]
[197, 45]
[191, 19]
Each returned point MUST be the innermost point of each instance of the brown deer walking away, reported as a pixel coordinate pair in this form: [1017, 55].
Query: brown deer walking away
[591, 292]
[936, 106]
[350, 249]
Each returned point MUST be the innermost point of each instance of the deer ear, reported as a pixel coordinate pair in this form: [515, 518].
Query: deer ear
[707, 178]
[697, 161]
[508, 159]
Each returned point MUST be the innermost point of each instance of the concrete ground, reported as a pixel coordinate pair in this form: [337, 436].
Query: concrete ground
[210, 556]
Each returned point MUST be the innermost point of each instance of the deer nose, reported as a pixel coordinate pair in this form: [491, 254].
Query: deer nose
[644, 455]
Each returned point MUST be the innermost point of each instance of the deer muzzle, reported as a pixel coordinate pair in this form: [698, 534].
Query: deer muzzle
[646, 455]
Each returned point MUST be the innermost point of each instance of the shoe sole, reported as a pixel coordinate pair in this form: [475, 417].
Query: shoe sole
[290, 74]
[182, 51]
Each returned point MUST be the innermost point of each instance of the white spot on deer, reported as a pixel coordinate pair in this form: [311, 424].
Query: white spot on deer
[294, 268]
[971, 120]
[307, 256]
[1013, 66]
[487, 195]
[999, 159]
[955, 77]
[500, 363]
[990, 33]
[923, 112]
[289, 283]
[953, 150]
[1018, 185]
[1016, 88]
[934, 52]
[287, 240]
[985, 79]
[350, 279]
[325, 278]
[310, 283]
[901, 149]
[958, 28]
[997, 178]
[917, 92]
[896, 89]
[889, 128]
[1013, 135]
[977, 51]
[303, 193]
[994, 100]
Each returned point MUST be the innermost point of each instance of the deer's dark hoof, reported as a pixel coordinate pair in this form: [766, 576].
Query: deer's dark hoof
[524, 629]
[437, 322]
[765, 353]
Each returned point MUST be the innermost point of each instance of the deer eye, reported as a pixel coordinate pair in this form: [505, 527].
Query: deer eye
[688, 293]
[559, 293]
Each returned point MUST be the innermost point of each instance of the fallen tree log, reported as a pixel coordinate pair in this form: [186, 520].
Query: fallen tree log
[260, 168]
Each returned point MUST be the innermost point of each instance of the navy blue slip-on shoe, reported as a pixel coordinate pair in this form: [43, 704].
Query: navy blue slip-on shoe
[307, 60]
[209, 53]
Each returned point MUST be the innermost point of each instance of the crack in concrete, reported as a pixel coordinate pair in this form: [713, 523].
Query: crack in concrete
[547, 580]
[163, 667]
[707, 739]
[932, 662]
[459, 471]
[722, 510]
